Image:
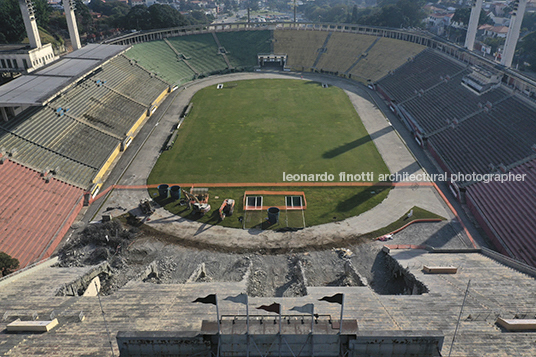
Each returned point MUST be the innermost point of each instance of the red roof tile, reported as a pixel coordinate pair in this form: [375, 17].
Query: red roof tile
[34, 215]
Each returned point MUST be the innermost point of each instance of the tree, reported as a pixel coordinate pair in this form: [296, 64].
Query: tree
[163, 16]
[109, 8]
[355, 15]
[404, 13]
[337, 13]
[154, 17]
[137, 18]
[462, 16]
[83, 17]
[529, 21]
[199, 17]
[494, 42]
[8, 264]
[412, 12]
[11, 25]
[527, 50]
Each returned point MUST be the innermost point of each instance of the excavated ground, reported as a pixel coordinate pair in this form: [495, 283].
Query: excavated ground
[143, 254]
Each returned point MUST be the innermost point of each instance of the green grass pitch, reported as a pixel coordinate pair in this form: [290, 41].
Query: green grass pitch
[253, 131]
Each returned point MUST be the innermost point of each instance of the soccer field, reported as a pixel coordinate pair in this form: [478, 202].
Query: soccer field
[254, 131]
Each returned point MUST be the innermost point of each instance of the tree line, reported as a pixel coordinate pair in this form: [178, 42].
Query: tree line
[388, 13]
[112, 15]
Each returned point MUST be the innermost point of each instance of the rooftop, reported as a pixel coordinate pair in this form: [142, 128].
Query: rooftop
[14, 48]
[38, 88]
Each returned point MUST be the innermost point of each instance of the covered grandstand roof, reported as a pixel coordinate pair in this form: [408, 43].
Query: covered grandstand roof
[42, 85]
[27, 198]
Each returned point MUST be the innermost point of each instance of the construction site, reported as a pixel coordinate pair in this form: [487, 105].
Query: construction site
[114, 261]
[127, 286]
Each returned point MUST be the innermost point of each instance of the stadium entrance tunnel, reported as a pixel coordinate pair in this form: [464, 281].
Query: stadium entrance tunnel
[271, 61]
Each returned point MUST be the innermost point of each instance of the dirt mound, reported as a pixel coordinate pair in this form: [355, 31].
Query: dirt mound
[137, 254]
[95, 244]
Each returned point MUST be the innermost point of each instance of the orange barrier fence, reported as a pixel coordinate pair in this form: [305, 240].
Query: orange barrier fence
[275, 193]
[404, 246]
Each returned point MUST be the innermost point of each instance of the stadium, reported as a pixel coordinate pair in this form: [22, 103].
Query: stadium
[89, 137]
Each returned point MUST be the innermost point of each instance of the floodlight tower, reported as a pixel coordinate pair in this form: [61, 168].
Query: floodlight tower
[28, 15]
[513, 32]
[69, 6]
[473, 24]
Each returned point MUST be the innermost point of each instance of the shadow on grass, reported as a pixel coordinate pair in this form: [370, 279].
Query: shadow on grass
[346, 147]
[358, 199]
[164, 201]
[266, 224]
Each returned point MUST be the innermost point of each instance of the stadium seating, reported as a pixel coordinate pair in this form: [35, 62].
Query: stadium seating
[101, 107]
[518, 117]
[242, 47]
[300, 46]
[76, 133]
[168, 66]
[508, 208]
[131, 80]
[343, 52]
[343, 49]
[34, 213]
[471, 133]
[40, 158]
[502, 135]
[64, 136]
[201, 51]
[424, 71]
[386, 55]
[438, 106]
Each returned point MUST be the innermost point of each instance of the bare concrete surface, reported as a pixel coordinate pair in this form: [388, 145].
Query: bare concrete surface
[143, 304]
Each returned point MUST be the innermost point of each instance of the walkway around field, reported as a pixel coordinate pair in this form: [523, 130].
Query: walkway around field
[397, 157]
[266, 184]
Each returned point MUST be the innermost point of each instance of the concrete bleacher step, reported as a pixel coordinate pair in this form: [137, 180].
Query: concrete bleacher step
[361, 56]
[85, 122]
[132, 81]
[181, 57]
[220, 50]
[125, 96]
[322, 49]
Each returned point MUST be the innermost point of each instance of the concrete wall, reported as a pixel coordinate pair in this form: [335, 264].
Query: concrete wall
[189, 343]
[397, 343]
[27, 60]
[161, 343]
[291, 345]
[107, 164]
